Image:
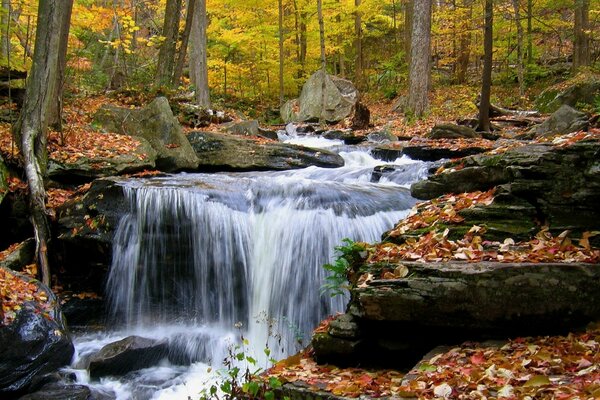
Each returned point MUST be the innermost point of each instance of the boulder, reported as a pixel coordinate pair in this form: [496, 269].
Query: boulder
[3, 179]
[582, 89]
[15, 217]
[452, 131]
[383, 136]
[361, 117]
[34, 343]
[99, 166]
[126, 355]
[62, 391]
[221, 152]
[20, 257]
[157, 124]
[347, 136]
[340, 100]
[243, 128]
[565, 120]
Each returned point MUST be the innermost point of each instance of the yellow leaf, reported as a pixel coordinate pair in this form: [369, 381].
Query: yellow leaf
[537, 380]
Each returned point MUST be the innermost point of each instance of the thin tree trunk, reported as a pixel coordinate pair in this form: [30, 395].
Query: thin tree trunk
[5, 28]
[520, 58]
[358, 64]
[464, 43]
[419, 72]
[486, 85]
[198, 58]
[281, 88]
[581, 45]
[408, 27]
[529, 32]
[185, 37]
[31, 127]
[166, 54]
[56, 95]
[323, 60]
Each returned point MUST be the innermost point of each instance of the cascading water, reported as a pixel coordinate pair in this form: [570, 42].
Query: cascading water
[201, 253]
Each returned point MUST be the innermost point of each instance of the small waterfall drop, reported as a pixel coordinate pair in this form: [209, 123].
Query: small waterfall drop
[199, 254]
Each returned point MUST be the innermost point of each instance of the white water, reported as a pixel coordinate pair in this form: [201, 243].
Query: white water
[199, 254]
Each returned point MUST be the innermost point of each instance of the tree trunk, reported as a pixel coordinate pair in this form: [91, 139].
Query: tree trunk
[581, 44]
[408, 26]
[323, 60]
[166, 54]
[464, 44]
[419, 71]
[56, 94]
[198, 59]
[31, 127]
[185, 37]
[358, 64]
[281, 88]
[5, 27]
[520, 58]
[486, 85]
[529, 32]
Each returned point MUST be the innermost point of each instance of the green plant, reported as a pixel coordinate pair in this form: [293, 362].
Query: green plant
[336, 283]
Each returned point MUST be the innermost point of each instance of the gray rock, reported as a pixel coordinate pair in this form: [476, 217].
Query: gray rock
[61, 391]
[565, 120]
[340, 99]
[90, 168]
[579, 91]
[452, 131]
[221, 152]
[34, 344]
[20, 257]
[345, 327]
[289, 111]
[243, 128]
[383, 136]
[157, 124]
[130, 354]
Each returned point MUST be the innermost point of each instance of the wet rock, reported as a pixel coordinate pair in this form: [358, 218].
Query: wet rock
[452, 131]
[425, 152]
[14, 214]
[387, 153]
[219, 152]
[345, 327]
[130, 354]
[62, 391]
[565, 120]
[86, 169]
[157, 124]
[34, 344]
[348, 137]
[381, 137]
[20, 257]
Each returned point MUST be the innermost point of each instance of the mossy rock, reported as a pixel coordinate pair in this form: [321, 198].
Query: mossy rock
[3, 180]
[583, 89]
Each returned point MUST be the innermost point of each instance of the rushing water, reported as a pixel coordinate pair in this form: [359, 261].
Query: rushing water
[202, 259]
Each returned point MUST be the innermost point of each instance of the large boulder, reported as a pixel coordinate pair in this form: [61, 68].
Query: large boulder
[221, 152]
[340, 99]
[126, 355]
[582, 89]
[157, 124]
[86, 168]
[34, 340]
[565, 120]
[3, 179]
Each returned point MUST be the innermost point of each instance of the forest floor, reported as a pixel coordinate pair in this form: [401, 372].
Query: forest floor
[557, 367]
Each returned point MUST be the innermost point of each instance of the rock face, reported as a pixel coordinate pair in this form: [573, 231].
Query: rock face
[582, 89]
[452, 131]
[558, 186]
[340, 99]
[565, 120]
[157, 124]
[34, 344]
[219, 152]
[88, 169]
[129, 354]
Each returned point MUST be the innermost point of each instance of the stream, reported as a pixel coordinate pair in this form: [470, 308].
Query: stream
[202, 260]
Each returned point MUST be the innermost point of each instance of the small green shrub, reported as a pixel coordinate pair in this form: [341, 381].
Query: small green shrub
[350, 253]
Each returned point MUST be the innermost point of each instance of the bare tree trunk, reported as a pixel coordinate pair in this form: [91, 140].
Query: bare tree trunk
[419, 72]
[56, 95]
[31, 127]
[581, 44]
[185, 37]
[464, 43]
[408, 27]
[198, 58]
[281, 88]
[5, 25]
[323, 60]
[166, 54]
[529, 32]
[358, 64]
[520, 58]
[486, 80]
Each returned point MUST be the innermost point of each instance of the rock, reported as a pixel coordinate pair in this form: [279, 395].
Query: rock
[565, 120]
[382, 170]
[345, 327]
[198, 117]
[130, 354]
[581, 89]
[15, 217]
[425, 152]
[452, 131]
[3, 179]
[34, 344]
[383, 136]
[361, 117]
[387, 153]
[20, 257]
[220, 152]
[341, 97]
[268, 134]
[84, 312]
[157, 124]
[61, 391]
[243, 128]
[90, 168]
[348, 137]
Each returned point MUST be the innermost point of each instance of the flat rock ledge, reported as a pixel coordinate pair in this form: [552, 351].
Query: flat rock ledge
[399, 320]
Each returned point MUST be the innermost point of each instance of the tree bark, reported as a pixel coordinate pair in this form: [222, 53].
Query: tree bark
[581, 43]
[408, 26]
[56, 94]
[5, 25]
[323, 60]
[166, 54]
[281, 88]
[529, 32]
[358, 64]
[198, 58]
[520, 59]
[419, 71]
[486, 86]
[185, 37]
[31, 127]
[464, 43]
